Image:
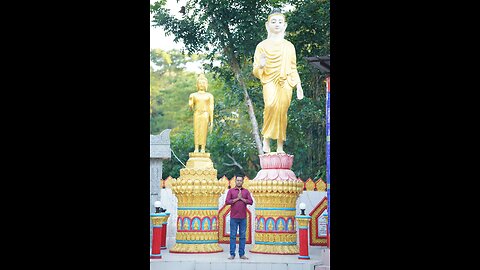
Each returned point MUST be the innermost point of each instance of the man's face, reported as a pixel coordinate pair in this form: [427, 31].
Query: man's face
[239, 182]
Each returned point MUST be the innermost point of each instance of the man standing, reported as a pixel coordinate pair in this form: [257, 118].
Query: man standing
[238, 198]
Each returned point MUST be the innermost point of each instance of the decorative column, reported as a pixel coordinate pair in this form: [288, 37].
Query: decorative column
[157, 219]
[328, 157]
[303, 221]
[197, 190]
[275, 190]
[164, 232]
[159, 151]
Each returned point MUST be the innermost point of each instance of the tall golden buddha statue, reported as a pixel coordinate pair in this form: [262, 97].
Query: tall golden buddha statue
[275, 65]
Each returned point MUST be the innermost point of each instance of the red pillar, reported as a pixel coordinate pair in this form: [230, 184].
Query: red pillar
[328, 238]
[303, 222]
[164, 233]
[157, 220]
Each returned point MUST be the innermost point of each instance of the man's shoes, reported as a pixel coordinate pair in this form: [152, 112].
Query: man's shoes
[231, 257]
[244, 257]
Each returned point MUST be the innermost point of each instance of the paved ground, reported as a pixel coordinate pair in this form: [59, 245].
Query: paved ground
[319, 260]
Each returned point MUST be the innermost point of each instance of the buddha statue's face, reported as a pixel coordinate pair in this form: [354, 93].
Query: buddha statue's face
[276, 24]
[202, 85]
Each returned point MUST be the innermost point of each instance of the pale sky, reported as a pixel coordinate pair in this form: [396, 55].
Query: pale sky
[158, 39]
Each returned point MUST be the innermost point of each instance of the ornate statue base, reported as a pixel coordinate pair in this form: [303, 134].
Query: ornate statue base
[275, 189]
[197, 190]
[199, 161]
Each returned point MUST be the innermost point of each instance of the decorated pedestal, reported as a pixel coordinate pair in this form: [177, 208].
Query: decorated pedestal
[275, 190]
[197, 190]
[303, 230]
[158, 219]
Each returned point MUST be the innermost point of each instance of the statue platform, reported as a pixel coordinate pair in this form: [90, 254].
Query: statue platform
[319, 260]
[199, 161]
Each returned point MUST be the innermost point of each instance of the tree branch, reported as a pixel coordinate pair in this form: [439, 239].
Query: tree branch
[235, 163]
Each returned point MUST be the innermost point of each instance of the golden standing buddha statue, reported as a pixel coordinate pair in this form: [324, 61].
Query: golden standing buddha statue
[275, 65]
[202, 104]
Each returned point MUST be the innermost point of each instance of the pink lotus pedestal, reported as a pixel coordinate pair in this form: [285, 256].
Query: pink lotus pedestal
[276, 167]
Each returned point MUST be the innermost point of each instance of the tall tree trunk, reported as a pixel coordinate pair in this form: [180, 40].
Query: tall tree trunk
[253, 119]
[238, 75]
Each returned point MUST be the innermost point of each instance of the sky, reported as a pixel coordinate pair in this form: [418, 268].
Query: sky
[158, 39]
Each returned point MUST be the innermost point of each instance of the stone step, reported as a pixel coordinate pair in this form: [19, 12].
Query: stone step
[319, 260]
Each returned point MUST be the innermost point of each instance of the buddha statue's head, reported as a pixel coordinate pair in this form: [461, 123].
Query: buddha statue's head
[276, 23]
[202, 82]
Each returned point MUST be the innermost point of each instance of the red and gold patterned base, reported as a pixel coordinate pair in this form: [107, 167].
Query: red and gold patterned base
[197, 190]
[276, 190]
[196, 248]
[275, 249]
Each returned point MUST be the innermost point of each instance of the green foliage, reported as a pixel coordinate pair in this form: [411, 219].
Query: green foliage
[181, 143]
[309, 27]
[170, 87]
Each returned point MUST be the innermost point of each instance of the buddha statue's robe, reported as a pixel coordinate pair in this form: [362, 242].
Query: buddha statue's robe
[278, 77]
